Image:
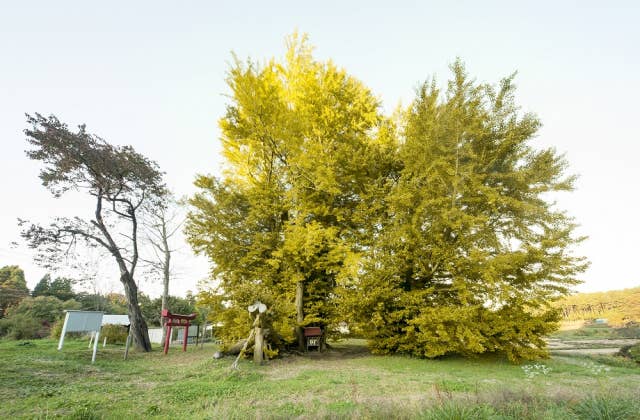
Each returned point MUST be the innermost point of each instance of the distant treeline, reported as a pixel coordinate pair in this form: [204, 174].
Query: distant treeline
[618, 307]
[26, 314]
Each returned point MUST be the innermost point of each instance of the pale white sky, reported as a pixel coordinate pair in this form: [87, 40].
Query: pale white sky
[151, 74]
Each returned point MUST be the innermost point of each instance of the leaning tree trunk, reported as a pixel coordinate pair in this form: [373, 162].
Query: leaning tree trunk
[138, 327]
[300, 315]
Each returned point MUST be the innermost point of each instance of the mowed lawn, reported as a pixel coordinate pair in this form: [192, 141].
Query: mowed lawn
[37, 381]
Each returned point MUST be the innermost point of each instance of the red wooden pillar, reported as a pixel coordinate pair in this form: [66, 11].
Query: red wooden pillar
[167, 337]
[186, 336]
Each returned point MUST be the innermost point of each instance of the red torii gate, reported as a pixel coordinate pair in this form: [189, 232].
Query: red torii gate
[176, 320]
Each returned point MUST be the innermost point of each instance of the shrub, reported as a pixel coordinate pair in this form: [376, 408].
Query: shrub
[56, 329]
[23, 326]
[71, 304]
[32, 317]
[5, 324]
[631, 330]
[631, 352]
[115, 334]
[42, 308]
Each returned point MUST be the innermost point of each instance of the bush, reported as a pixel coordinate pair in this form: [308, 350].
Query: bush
[115, 334]
[631, 330]
[56, 329]
[71, 304]
[631, 352]
[5, 324]
[23, 326]
[42, 308]
[32, 317]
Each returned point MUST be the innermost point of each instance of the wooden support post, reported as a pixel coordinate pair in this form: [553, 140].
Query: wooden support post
[258, 346]
[126, 347]
[64, 331]
[186, 337]
[299, 302]
[95, 346]
[244, 348]
[167, 339]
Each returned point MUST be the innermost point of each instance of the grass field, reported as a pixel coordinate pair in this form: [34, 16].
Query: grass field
[37, 381]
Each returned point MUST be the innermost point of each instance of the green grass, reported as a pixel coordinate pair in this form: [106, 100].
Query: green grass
[599, 331]
[37, 381]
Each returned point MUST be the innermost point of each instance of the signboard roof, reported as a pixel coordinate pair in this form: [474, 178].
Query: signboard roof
[116, 320]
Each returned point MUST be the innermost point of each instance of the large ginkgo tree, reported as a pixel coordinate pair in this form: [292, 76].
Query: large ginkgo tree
[281, 225]
[429, 232]
[473, 250]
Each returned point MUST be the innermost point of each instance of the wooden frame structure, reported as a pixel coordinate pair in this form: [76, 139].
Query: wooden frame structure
[176, 320]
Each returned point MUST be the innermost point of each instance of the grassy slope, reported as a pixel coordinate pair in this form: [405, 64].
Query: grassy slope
[618, 306]
[38, 381]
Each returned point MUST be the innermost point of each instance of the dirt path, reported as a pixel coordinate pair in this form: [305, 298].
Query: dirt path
[592, 351]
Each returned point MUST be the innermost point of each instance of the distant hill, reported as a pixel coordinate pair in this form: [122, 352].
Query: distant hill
[619, 307]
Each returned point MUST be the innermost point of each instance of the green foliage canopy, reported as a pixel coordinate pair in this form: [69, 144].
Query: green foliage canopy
[299, 139]
[13, 287]
[152, 308]
[430, 232]
[110, 303]
[471, 252]
[61, 287]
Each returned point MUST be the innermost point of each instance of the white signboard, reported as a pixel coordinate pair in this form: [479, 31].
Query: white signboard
[82, 321]
[155, 335]
[116, 320]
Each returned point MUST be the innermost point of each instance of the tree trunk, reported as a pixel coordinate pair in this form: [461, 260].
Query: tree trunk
[139, 329]
[237, 347]
[138, 325]
[258, 346]
[165, 287]
[300, 315]
[165, 263]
